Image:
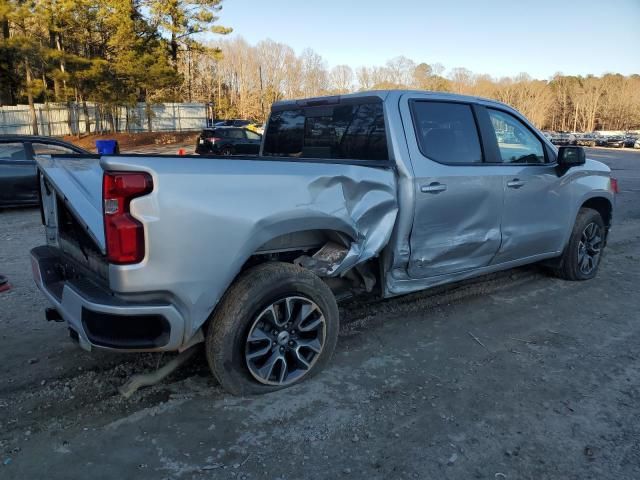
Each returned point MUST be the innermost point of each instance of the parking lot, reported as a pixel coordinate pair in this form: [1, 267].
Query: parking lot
[513, 375]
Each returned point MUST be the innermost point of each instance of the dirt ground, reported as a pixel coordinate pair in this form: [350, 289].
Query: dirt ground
[133, 142]
[515, 375]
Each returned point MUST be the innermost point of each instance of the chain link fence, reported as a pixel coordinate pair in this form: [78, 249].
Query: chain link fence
[55, 119]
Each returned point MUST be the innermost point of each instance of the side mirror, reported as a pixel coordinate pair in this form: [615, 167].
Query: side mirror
[571, 156]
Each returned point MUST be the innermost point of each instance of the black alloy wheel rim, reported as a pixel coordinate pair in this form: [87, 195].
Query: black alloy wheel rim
[285, 340]
[590, 248]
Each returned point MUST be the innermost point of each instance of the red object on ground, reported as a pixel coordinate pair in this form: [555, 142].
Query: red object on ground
[181, 151]
[4, 284]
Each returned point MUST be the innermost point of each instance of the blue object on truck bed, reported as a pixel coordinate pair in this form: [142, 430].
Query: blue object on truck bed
[107, 147]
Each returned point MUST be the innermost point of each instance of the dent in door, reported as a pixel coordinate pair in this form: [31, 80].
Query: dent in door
[463, 235]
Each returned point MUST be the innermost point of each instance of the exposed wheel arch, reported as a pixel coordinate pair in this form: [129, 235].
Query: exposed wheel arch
[303, 240]
[303, 247]
[601, 205]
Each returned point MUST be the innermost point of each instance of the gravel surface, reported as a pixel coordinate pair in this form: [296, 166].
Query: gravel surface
[514, 375]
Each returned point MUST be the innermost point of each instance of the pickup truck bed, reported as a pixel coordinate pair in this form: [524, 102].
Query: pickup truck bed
[193, 194]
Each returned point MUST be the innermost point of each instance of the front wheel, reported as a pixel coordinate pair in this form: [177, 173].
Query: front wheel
[581, 257]
[276, 326]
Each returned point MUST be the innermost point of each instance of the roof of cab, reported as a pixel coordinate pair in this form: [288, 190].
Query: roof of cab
[384, 95]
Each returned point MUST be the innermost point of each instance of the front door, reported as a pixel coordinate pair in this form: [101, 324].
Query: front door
[18, 177]
[458, 197]
[537, 206]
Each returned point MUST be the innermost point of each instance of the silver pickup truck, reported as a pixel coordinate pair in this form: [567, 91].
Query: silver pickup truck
[383, 192]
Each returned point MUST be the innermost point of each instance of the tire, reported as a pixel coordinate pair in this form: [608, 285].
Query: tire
[226, 152]
[572, 261]
[248, 308]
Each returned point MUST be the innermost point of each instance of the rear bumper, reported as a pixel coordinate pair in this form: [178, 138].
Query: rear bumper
[98, 317]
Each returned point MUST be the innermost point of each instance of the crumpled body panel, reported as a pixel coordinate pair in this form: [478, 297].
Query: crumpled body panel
[206, 217]
[370, 206]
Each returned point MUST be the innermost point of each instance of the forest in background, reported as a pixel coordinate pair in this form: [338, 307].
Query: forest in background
[120, 52]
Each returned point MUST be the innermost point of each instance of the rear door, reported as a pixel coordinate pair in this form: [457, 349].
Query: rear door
[238, 140]
[458, 196]
[537, 205]
[18, 178]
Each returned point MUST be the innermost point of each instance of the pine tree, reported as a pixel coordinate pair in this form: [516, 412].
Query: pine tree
[180, 20]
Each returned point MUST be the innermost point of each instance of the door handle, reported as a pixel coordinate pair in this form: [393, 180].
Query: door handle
[515, 183]
[433, 187]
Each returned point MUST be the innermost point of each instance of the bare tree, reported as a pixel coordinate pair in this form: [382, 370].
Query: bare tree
[314, 74]
[243, 80]
[462, 80]
[341, 79]
[365, 82]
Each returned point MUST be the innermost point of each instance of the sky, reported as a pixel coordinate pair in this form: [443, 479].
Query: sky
[496, 37]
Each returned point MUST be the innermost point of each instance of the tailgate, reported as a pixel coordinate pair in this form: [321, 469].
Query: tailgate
[78, 182]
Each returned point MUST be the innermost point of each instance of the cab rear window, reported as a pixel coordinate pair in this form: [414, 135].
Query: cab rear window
[349, 132]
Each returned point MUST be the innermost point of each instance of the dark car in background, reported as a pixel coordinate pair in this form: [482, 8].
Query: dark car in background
[615, 141]
[18, 174]
[235, 122]
[630, 140]
[228, 141]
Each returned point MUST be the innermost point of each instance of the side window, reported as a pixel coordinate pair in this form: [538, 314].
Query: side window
[365, 137]
[13, 151]
[252, 135]
[48, 149]
[236, 134]
[516, 142]
[220, 133]
[352, 131]
[447, 132]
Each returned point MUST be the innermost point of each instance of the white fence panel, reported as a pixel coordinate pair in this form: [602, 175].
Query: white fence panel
[56, 119]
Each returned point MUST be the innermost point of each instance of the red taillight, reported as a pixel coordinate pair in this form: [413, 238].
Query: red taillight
[214, 139]
[614, 185]
[124, 234]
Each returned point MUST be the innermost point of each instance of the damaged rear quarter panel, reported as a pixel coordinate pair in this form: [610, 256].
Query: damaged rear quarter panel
[206, 217]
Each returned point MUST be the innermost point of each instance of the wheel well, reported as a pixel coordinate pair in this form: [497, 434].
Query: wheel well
[288, 247]
[300, 248]
[602, 206]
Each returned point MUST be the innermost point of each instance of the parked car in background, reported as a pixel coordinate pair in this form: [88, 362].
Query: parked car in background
[563, 138]
[586, 139]
[256, 127]
[228, 141]
[18, 173]
[615, 141]
[630, 140]
[237, 122]
[381, 193]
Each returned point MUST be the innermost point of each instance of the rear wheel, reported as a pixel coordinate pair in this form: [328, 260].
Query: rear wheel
[582, 255]
[277, 325]
[227, 151]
